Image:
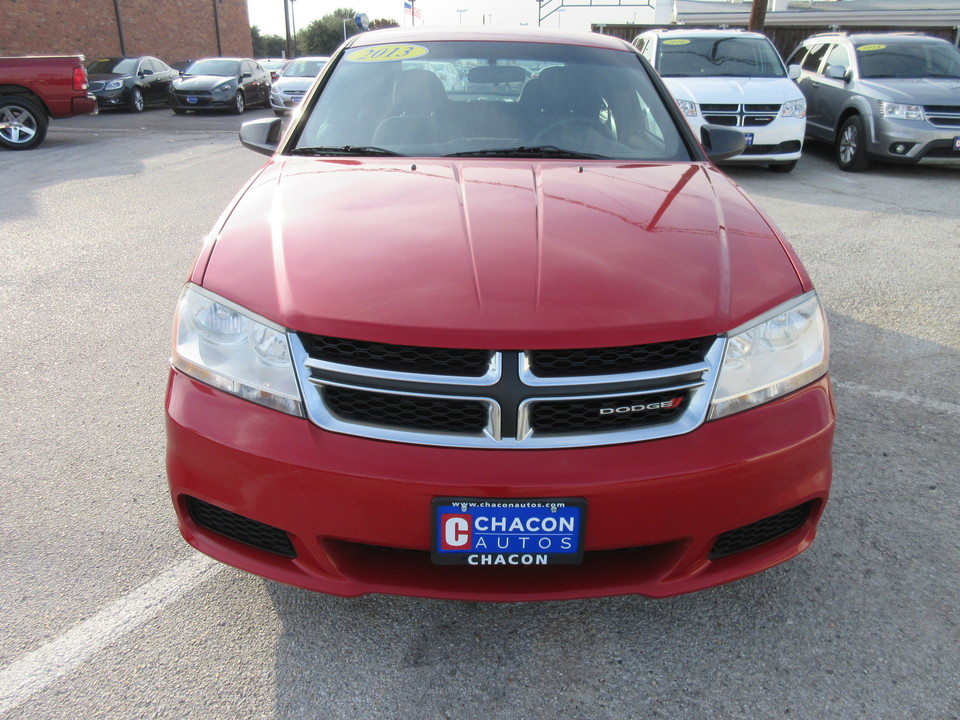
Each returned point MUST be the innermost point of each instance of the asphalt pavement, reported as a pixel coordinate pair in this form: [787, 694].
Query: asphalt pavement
[109, 614]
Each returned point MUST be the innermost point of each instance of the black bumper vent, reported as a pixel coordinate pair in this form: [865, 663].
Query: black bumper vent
[748, 536]
[240, 528]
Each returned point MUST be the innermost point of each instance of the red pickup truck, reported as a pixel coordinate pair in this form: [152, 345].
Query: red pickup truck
[35, 89]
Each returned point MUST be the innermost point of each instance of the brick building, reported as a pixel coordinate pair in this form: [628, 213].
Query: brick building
[169, 29]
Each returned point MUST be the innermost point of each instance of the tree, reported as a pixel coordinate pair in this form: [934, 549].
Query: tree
[265, 46]
[323, 36]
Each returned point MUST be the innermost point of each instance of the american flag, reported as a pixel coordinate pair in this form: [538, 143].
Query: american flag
[408, 9]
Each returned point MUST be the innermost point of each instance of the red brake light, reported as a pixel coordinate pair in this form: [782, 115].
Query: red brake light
[79, 78]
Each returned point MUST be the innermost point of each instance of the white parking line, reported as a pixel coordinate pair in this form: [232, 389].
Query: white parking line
[36, 670]
[900, 397]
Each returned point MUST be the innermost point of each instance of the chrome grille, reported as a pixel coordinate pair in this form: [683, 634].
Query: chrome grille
[95, 85]
[750, 115]
[945, 116]
[506, 399]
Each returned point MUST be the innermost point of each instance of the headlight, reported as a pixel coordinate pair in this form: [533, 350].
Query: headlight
[113, 85]
[688, 108]
[902, 112]
[221, 344]
[794, 108]
[224, 87]
[776, 354]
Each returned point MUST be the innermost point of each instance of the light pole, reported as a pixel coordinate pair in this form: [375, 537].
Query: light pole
[293, 21]
[460, 13]
[345, 28]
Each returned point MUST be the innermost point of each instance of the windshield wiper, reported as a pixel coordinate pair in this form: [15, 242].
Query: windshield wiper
[340, 150]
[536, 151]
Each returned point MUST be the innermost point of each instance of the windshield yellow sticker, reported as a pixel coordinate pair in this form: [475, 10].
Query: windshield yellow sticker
[676, 41]
[386, 53]
[868, 48]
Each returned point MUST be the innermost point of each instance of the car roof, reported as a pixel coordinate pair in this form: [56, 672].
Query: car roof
[875, 37]
[701, 33]
[531, 35]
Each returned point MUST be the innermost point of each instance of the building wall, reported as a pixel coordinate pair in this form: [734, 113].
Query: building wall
[169, 29]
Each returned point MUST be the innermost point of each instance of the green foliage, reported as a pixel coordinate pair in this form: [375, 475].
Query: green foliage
[264, 46]
[323, 36]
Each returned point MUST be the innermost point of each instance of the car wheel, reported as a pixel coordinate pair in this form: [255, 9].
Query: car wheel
[239, 105]
[23, 124]
[180, 111]
[851, 146]
[783, 167]
[136, 100]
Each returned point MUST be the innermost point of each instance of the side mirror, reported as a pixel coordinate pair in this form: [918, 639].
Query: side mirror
[261, 136]
[793, 72]
[835, 72]
[246, 75]
[721, 142]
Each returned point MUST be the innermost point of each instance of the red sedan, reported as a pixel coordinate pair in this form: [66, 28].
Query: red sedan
[514, 340]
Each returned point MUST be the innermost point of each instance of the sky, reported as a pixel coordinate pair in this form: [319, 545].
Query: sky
[268, 14]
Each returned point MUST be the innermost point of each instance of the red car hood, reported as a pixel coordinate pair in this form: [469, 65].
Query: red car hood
[504, 254]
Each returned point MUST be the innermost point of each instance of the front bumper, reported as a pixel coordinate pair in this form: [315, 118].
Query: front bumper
[202, 100]
[113, 98]
[356, 511]
[284, 102]
[919, 139]
[780, 141]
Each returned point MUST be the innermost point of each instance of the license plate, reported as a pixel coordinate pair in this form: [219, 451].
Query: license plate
[956, 143]
[192, 100]
[748, 139]
[527, 532]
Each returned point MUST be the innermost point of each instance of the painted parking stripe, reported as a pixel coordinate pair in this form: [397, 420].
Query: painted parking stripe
[900, 397]
[36, 670]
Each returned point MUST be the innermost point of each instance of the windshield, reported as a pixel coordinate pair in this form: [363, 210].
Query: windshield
[304, 68]
[495, 99]
[226, 68]
[723, 56]
[908, 60]
[118, 66]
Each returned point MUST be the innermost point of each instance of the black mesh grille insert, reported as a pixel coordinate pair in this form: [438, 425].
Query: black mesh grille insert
[748, 536]
[597, 415]
[240, 528]
[407, 411]
[633, 358]
[400, 358]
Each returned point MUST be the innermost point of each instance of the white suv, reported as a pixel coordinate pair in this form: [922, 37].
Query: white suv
[733, 78]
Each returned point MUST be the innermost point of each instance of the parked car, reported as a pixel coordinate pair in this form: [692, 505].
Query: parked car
[130, 83]
[555, 355]
[230, 84]
[889, 96]
[274, 66]
[736, 79]
[35, 89]
[297, 77]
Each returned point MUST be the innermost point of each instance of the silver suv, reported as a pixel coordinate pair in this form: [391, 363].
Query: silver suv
[892, 96]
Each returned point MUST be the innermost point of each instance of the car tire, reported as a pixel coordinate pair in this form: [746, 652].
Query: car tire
[23, 123]
[136, 100]
[180, 111]
[784, 167]
[851, 146]
[239, 104]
